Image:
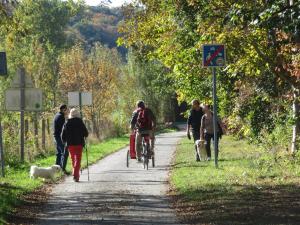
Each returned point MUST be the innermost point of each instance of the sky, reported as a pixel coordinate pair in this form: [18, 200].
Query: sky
[115, 3]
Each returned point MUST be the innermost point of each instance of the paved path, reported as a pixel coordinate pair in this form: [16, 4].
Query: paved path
[116, 194]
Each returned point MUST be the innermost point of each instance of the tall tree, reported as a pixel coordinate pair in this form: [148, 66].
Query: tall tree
[262, 38]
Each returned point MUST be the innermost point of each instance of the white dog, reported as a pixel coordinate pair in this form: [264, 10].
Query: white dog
[46, 173]
[201, 149]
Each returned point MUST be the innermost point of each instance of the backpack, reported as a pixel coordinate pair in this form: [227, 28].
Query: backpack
[144, 121]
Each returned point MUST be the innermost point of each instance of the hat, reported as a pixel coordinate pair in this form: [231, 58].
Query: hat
[74, 113]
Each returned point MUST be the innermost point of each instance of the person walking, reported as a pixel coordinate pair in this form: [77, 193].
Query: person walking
[194, 123]
[61, 152]
[143, 122]
[207, 129]
[73, 134]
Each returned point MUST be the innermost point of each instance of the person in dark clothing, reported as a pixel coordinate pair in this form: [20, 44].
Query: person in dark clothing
[58, 122]
[194, 123]
[73, 134]
[141, 129]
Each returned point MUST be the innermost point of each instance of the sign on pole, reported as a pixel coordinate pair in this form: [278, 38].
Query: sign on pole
[80, 99]
[23, 97]
[74, 98]
[214, 56]
[16, 82]
[33, 99]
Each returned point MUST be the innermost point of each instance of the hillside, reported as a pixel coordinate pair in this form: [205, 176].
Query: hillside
[96, 24]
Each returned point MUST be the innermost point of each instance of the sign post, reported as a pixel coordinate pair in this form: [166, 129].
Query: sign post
[21, 73]
[80, 99]
[213, 57]
[1, 150]
[21, 97]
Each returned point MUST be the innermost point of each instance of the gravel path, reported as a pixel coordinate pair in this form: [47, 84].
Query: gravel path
[116, 194]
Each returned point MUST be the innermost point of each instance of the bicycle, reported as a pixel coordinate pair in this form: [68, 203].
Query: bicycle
[146, 150]
[147, 154]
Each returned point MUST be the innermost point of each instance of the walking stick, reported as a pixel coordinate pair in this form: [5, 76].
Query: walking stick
[87, 161]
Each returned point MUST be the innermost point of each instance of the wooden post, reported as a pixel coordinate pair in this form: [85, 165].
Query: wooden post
[21, 73]
[43, 134]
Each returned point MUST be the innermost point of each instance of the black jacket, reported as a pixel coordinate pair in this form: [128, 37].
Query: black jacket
[194, 119]
[74, 132]
[58, 123]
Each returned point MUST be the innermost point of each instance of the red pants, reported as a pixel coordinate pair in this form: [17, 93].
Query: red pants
[76, 153]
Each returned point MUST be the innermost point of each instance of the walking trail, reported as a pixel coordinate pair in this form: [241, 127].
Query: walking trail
[116, 194]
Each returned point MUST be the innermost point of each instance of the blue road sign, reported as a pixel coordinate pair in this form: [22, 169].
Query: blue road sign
[3, 64]
[214, 55]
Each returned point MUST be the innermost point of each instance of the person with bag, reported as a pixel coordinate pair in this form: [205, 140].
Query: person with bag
[143, 122]
[194, 123]
[207, 129]
[73, 134]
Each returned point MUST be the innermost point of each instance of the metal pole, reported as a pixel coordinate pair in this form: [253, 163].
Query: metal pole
[215, 122]
[1, 151]
[21, 74]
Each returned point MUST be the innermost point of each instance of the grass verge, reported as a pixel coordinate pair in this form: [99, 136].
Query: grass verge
[17, 182]
[250, 187]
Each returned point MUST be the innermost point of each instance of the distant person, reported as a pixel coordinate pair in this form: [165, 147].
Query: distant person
[58, 122]
[73, 134]
[143, 122]
[194, 123]
[207, 129]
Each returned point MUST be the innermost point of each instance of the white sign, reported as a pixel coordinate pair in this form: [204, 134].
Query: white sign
[16, 82]
[33, 99]
[73, 98]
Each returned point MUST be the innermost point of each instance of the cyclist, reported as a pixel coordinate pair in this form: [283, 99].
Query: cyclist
[143, 122]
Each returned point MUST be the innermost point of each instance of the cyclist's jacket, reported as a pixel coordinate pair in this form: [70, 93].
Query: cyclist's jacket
[142, 119]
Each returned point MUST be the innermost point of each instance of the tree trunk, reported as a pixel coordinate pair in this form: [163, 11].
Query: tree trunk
[296, 114]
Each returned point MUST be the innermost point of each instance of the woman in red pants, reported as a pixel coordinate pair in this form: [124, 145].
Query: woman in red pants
[73, 133]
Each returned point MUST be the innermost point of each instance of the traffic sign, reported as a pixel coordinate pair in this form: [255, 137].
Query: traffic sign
[16, 82]
[79, 98]
[214, 55]
[33, 99]
[3, 64]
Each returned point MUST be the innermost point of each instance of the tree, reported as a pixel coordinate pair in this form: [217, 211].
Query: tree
[95, 72]
[263, 42]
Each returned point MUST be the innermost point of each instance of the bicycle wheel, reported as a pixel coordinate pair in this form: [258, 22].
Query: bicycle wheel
[127, 158]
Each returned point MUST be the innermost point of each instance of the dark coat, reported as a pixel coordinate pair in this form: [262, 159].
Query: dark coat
[74, 132]
[58, 123]
[194, 119]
